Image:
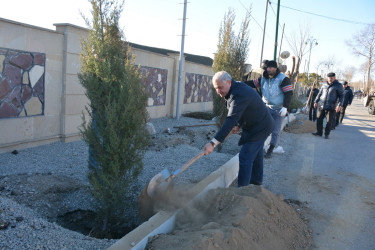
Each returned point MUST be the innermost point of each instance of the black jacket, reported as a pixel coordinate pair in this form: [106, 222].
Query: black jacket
[329, 94]
[314, 95]
[247, 110]
[348, 96]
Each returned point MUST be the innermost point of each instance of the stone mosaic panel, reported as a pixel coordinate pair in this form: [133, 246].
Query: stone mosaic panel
[155, 81]
[197, 88]
[21, 83]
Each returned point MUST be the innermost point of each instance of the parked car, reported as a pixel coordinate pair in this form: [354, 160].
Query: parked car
[369, 102]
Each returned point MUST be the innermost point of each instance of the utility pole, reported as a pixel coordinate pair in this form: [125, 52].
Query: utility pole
[281, 42]
[178, 108]
[277, 29]
[310, 41]
[264, 33]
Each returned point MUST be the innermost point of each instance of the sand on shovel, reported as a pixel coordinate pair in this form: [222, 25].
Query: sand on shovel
[298, 126]
[249, 217]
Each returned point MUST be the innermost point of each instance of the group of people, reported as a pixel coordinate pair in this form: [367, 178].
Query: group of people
[332, 99]
[258, 107]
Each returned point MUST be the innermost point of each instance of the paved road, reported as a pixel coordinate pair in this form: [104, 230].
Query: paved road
[336, 177]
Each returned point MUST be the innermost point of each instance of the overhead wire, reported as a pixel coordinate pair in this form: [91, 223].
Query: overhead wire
[314, 14]
[260, 26]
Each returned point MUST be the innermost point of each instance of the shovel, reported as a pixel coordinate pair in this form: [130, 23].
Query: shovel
[161, 181]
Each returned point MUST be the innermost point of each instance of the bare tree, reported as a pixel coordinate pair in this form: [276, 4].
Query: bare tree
[363, 44]
[329, 64]
[298, 46]
[349, 72]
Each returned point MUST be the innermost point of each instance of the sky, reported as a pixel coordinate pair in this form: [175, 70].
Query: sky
[159, 24]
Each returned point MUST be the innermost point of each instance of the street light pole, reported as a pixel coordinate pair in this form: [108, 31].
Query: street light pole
[264, 33]
[311, 41]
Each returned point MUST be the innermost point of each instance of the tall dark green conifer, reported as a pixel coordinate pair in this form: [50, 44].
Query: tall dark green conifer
[115, 130]
[232, 52]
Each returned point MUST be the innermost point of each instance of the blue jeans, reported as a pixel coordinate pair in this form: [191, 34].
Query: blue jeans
[251, 163]
[278, 122]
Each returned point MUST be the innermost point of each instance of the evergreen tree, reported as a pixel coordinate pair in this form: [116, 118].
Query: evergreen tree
[115, 128]
[232, 52]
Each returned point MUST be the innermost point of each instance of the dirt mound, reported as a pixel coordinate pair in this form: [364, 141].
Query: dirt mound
[300, 127]
[250, 217]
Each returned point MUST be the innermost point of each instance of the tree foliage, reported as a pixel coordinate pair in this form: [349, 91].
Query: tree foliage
[231, 55]
[117, 114]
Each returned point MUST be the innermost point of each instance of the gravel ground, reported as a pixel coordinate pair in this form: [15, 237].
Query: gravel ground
[23, 227]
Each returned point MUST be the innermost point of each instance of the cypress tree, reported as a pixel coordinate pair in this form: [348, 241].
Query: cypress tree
[114, 126]
[232, 52]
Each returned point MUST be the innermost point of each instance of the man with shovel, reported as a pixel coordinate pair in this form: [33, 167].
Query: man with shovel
[246, 110]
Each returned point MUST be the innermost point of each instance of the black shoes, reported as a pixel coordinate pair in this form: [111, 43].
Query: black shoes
[317, 134]
[268, 155]
[269, 152]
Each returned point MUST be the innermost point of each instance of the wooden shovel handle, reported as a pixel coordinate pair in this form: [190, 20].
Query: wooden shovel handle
[186, 165]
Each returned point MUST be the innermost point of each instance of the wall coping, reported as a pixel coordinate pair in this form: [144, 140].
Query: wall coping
[28, 25]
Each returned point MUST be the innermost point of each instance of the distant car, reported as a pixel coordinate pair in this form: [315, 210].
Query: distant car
[369, 102]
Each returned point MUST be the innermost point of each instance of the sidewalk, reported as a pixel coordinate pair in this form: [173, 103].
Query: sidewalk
[336, 179]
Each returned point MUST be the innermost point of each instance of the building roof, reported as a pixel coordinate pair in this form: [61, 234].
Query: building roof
[204, 60]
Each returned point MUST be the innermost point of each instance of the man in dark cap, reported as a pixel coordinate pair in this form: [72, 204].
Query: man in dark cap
[276, 92]
[348, 98]
[328, 95]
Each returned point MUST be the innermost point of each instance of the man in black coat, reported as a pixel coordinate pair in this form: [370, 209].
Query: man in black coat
[312, 110]
[246, 110]
[329, 94]
[348, 98]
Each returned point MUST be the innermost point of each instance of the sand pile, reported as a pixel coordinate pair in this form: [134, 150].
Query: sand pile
[250, 217]
[299, 127]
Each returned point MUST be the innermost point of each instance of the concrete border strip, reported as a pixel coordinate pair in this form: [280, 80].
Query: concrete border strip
[164, 222]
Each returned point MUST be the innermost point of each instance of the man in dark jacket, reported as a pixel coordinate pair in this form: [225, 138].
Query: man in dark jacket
[348, 98]
[329, 94]
[276, 92]
[312, 110]
[246, 110]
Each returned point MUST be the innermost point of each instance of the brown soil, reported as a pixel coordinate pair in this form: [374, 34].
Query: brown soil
[300, 127]
[237, 218]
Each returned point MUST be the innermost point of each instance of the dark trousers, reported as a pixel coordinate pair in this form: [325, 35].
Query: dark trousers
[251, 163]
[329, 115]
[342, 113]
[339, 116]
[312, 113]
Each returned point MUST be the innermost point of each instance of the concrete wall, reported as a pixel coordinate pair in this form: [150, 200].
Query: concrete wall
[24, 131]
[64, 98]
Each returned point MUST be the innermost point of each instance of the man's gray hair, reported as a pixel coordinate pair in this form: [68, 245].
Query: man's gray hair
[222, 76]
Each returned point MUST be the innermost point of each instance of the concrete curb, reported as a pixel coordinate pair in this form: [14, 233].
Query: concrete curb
[164, 222]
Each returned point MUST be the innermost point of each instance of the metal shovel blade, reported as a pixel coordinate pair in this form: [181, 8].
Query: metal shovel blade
[156, 180]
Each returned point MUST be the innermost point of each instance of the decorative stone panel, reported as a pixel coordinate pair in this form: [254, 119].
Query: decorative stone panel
[197, 88]
[22, 80]
[155, 81]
